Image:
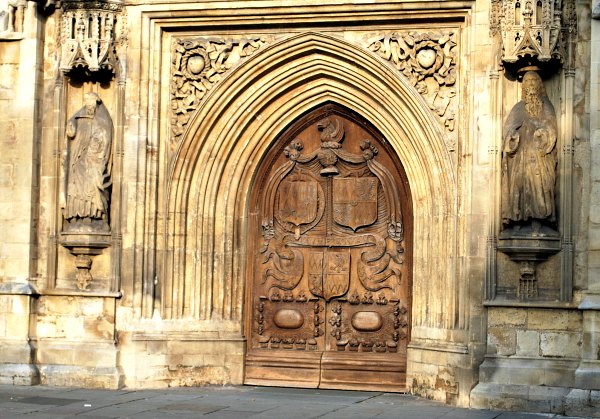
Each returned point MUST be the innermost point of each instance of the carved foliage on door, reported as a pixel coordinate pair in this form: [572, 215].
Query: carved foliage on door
[331, 230]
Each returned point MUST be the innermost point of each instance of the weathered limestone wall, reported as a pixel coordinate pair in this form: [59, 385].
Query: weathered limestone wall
[19, 101]
[75, 342]
[166, 305]
[19, 185]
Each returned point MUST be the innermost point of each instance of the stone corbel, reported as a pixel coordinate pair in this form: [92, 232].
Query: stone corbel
[92, 35]
[83, 247]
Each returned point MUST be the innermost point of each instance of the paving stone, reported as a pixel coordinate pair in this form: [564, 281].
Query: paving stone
[229, 402]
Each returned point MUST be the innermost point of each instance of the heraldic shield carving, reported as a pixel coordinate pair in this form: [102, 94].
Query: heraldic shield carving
[355, 201]
[329, 274]
[328, 271]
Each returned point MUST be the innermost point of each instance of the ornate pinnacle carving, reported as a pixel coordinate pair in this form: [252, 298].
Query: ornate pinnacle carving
[428, 60]
[92, 34]
[533, 31]
[197, 65]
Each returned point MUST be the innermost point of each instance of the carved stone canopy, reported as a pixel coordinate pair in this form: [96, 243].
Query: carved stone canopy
[92, 32]
[534, 32]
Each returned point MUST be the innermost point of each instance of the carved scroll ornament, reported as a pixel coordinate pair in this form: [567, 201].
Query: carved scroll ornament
[428, 60]
[197, 65]
[295, 203]
[92, 35]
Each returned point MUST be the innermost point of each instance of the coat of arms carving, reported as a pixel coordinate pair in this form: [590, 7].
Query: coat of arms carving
[355, 201]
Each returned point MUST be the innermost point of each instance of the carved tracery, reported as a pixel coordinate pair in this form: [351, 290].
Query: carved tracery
[93, 35]
[429, 62]
[197, 65]
[534, 31]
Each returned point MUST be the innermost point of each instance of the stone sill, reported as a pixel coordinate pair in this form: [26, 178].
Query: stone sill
[77, 293]
[21, 288]
[439, 347]
[12, 36]
[532, 304]
[206, 336]
[17, 288]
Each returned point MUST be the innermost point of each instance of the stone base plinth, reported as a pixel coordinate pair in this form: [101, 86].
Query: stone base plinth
[157, 360]
[540, 399]
[84, 363]
[525, 384]
[587, 375]
[19, 374]
[78, 376]
[524, 398]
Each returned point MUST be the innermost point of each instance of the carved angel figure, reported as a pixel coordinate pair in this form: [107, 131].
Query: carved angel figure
[529, 159]
[88, 163]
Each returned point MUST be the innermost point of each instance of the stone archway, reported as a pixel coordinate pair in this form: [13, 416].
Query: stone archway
[215, 167]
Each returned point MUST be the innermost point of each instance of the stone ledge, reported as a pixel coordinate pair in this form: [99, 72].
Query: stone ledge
[531, 304]
[590, 302]
[438, 347]
[18, 288]
[197, 336]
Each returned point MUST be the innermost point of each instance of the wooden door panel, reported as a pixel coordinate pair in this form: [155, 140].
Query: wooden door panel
[329, 259]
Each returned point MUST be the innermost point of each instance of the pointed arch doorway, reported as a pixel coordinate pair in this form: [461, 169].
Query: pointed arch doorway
[329, 259]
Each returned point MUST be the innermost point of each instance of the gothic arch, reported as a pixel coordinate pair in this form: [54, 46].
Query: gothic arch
[211, 173]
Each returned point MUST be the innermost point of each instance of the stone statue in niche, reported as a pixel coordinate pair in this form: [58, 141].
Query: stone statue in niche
[529, 163]
[88, 168]
[529, 170]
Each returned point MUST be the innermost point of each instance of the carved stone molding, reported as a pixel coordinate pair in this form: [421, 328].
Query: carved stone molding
[534, 31]
[198, 64]
[429, 61]
[93, 33]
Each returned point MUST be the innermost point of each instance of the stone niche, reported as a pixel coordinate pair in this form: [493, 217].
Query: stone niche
[76, 337]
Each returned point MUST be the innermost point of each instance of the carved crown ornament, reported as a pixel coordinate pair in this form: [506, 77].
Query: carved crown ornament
[198, 64]
[93, 35]
[534, 32]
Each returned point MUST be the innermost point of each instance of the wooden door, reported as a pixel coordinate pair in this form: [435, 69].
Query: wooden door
[329, 269]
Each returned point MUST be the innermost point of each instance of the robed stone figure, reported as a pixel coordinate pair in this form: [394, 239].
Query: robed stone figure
[529, 161]
[88, 167]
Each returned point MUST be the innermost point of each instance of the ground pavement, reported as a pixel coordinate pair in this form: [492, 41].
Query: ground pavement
[228, 402]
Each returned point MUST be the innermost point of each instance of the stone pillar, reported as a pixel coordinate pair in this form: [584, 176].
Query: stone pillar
[586, 399]
[20, 94]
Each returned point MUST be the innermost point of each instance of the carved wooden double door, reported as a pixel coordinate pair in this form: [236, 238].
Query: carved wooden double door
[329, 259]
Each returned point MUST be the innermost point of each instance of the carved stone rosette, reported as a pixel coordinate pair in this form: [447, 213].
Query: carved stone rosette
[198, 64]
[93, 33]
[534, 32]
[429, 61]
